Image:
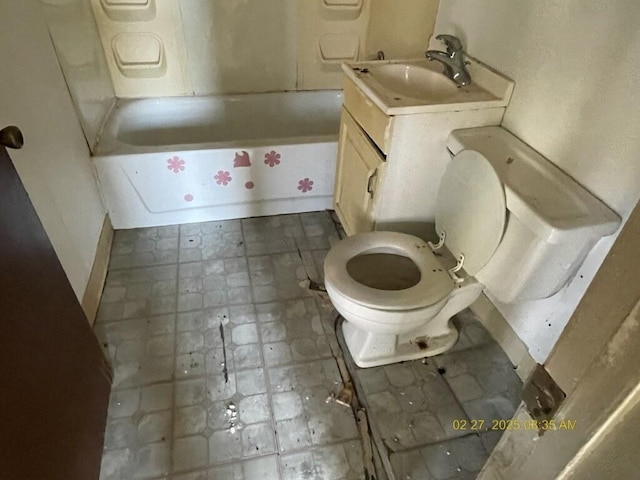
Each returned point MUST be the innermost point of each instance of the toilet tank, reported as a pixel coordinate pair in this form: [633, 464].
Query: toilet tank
[552, 221]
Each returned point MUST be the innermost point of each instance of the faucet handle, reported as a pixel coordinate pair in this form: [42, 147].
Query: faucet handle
[453, 43]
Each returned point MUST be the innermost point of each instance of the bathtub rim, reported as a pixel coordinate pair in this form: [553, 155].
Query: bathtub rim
[118, 148]
[107, 141]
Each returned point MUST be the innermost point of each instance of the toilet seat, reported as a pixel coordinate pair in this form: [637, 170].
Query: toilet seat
[433, 286]
[471, 209]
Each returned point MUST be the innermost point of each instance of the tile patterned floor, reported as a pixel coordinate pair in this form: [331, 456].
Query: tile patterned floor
[193, 402]
[173, 414]
[413, 406]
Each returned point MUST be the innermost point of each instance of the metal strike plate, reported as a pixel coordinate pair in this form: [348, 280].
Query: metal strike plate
[542, 395]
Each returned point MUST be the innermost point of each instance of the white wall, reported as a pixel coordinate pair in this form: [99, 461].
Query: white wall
[82, 60]
[144, 47]
[240, 46]
[576, 69]
[400, 29]
[54, 164]
[243, 46]
[250, 46]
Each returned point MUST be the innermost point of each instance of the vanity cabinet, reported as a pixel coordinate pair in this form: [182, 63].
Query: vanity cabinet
[390, 162]
[360, 167]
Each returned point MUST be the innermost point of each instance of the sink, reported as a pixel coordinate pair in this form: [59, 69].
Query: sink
[414, 81]
[415, 86]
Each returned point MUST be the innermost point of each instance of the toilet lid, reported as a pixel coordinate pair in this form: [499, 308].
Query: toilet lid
[471, 209]
[433, 286]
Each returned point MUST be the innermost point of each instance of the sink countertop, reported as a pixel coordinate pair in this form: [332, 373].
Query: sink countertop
[488, 88]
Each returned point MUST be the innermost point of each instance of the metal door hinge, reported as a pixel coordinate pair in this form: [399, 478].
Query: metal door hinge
[542, 395]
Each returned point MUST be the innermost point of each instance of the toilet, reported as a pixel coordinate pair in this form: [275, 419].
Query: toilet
[509, 223]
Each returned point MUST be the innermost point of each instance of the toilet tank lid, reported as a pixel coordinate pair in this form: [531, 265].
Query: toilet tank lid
[538, 193]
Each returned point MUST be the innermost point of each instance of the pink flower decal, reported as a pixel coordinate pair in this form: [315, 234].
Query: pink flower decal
[272, 158]
[242, 159]
[188, 197]
[305, 185]
[176, 164]
[222, 177]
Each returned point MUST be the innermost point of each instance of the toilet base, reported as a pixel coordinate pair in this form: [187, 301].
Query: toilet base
[373, 349]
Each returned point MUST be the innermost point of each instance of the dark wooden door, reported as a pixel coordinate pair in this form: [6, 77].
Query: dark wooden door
[54, 379]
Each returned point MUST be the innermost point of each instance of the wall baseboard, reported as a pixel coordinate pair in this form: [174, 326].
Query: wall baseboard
[93, 292]
[502, 333]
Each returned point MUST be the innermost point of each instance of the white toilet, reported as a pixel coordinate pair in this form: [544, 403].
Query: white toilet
[509, 223]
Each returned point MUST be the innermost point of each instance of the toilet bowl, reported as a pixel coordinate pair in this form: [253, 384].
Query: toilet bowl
[394, 290]
[396, 295]
[509, 223]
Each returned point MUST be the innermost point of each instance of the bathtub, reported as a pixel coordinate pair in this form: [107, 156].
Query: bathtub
[163, 161]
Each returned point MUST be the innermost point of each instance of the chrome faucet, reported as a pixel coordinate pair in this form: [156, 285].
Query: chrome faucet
[455, 66]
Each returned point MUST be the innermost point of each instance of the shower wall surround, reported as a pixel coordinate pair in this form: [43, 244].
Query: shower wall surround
[330, 32]
[82, 60]
[203, 47]
[144, 46]
[246, 46]
[400, 29]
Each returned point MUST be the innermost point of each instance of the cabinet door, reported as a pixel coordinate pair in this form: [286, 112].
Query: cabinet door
[359, 169]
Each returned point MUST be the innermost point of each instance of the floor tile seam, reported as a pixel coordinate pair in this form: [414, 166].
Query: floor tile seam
[203, 309]
[470, 347]
[315, 448]
[175, 332]
[213, 259]
[374, 423]
[357, 437]
[226, 305]
[133, 319]
[480, 346]
[244, 255]
[434, 414]
[304, 362]
[225, 463]
[141, 385]
[268, 392]
[138, 267]
[258, 321]
[174, 363]
[318, 446]
[225, 430]
[320, 268]
[209, 404]
[159, 382]
[141, 267]
[300, 251]
[433, 444]
[208, 377]
[444, 439]
[459, 402]
[213, 375]
[289, 252]
[377, 442]
[334, 222]
[482, 416]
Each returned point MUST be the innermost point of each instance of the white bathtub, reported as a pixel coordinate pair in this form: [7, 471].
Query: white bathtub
[164, 161]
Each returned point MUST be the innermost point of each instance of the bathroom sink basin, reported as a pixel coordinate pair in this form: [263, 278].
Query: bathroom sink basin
[414, 81]
[400, 87]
